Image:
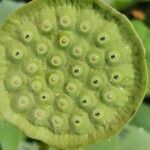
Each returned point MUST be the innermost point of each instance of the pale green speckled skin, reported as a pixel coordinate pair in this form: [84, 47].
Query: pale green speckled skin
[72, 72]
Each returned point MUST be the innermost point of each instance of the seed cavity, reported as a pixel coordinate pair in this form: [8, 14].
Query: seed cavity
[85, 101]
[98, 114]
[116, 78]
[77, 70]
[27, 36]
[77, 121]
[113, 57]
[95, 81]
[45, 97]
[80, 123]
[17, 54]
[102, 38]
[46, 26]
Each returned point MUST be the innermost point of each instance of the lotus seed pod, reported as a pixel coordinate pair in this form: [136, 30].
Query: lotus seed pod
[71, 72]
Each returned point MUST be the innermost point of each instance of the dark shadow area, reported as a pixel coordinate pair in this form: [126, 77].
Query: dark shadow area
[147, 100]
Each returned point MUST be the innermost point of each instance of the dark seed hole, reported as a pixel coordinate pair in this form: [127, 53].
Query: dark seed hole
[27, 36]
[77, 121]
[84, 101]
[102, 38]
[97, 114]
[43, 97]
[95, 81]
[116, 77]
[17, 53]
[76, 70]
[113, 56]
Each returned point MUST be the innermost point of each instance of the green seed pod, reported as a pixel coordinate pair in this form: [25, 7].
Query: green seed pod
[71, 72]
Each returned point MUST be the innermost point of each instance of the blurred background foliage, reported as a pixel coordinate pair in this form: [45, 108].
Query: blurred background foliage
[136, 136]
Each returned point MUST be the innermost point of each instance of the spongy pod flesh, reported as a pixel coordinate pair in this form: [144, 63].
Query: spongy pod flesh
[71, 72]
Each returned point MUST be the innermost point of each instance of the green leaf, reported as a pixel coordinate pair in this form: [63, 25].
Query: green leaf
[135, 139]
[131, 138]
[140, 28]
[142, 119]
[10, 136]
[144, 33]
[122, 4]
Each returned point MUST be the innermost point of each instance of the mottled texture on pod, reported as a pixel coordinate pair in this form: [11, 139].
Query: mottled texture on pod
[71, 72]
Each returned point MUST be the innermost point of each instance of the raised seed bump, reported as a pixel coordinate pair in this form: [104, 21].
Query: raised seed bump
[53, 79]
[46, 26]
[27, 36]
[65, 21]
[42, 48]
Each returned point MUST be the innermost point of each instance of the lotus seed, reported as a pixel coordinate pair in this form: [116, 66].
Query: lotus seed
[39, 114]
[85, 27]
[71, 88]
[36, 86]
[46, 26]
[23, 101]
[57, 121]
[65, 21]
[93, 59]
[32, 68]
[16, 82]
[64, 103]
[56, 61]
[77, 51]
[53, 79]
[64, 41]
[41, 49]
